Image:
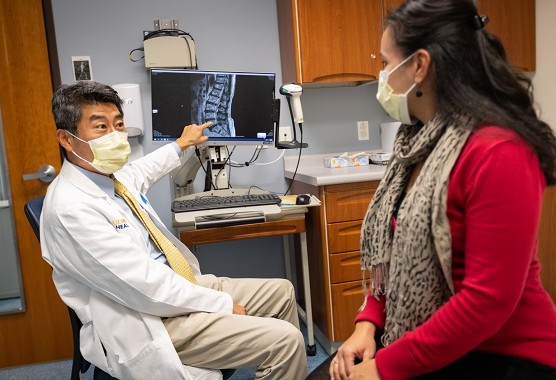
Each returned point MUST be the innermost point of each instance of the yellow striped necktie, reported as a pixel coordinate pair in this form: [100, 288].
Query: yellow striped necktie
[177, 262]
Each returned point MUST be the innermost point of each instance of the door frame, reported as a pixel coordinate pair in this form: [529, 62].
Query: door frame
[43, 332]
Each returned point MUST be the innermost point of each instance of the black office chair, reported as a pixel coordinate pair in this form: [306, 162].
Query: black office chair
[33, 210]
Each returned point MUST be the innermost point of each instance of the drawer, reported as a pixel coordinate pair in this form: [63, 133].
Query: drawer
[347, 298]
[344, 237]
[347, 205]
[345, 267]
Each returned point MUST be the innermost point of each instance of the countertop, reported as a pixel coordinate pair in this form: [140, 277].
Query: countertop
[311, 170]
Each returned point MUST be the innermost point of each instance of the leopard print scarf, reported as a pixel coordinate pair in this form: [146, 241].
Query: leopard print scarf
[412, 265]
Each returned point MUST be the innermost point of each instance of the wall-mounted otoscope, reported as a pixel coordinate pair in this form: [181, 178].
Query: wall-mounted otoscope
[292, 92]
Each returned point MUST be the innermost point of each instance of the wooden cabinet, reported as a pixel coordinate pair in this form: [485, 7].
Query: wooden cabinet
[514, 23]
[327, 43]
[330, 42]
[333, 233]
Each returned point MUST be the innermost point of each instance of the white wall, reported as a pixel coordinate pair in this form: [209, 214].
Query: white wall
[544, 81]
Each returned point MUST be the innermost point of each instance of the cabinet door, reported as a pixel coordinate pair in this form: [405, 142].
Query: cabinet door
[345, 267]
[343, 237]
[347, 298]
[348, 205]
[514, 23]
[339, 41]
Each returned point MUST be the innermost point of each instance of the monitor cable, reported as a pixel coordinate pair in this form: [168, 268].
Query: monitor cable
[252, 160]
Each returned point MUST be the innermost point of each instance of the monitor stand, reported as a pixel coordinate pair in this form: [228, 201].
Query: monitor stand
[182, 178]
[218, 158]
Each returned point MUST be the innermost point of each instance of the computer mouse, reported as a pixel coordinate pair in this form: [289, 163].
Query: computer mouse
[303, 199]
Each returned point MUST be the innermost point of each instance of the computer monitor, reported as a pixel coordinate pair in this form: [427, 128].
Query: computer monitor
[240, 105]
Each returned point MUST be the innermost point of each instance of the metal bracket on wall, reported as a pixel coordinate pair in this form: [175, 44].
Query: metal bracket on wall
[166, 24]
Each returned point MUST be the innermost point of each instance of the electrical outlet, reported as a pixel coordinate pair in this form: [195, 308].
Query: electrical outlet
[362, 130]
[285, 133]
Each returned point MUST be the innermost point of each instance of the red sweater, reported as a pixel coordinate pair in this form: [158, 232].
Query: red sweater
[494, 201]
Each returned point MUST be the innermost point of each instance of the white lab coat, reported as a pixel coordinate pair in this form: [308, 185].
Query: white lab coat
[102, 270]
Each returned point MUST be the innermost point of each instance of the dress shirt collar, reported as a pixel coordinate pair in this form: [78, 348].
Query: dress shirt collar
[105, 183]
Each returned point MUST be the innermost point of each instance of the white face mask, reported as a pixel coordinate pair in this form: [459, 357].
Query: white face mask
[110, 152]
[394, 104]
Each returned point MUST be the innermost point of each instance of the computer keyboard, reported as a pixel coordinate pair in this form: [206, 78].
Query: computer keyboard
[209, 202]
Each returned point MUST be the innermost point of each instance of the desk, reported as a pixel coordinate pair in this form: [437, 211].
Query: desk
[290, 221]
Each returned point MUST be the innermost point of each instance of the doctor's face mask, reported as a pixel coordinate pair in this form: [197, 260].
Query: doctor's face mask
[110, 151]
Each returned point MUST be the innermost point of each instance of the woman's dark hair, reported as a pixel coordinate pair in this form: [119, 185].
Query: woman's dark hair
[69, 98]
[472, 75]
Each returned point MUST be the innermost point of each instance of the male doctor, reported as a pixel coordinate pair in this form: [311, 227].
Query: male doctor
[142, 320]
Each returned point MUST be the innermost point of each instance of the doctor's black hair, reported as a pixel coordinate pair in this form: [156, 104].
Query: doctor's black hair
[70, 98]
[472, 76]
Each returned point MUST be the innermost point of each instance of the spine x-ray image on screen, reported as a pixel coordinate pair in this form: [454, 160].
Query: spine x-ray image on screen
[240, 105]
[213, 102]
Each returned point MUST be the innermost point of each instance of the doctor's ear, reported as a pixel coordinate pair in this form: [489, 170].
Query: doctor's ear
[63, 139]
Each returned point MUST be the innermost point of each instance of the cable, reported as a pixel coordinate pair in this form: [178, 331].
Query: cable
[198, 154]
[176, 32]
[191, 54]
[208, 179]
[253, 158]
[298, 158]
[238, 165]
[224, 167]
[134, 50]
[256, 154]
[167, 32]
[271, 162]
[257, 187]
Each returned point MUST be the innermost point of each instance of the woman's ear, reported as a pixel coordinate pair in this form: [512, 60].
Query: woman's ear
[423, 59]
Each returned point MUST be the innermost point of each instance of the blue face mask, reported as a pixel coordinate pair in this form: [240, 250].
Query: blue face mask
[394, 104]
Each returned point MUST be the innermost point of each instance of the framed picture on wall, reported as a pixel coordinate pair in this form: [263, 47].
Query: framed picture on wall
[82, 69]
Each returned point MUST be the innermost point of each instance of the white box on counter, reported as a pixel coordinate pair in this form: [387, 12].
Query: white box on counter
[380, 158]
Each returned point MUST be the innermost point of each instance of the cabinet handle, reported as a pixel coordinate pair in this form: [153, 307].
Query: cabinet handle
[331, 77]
[373, 56]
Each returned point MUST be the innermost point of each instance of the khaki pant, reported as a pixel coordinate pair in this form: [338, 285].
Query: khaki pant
[267, 338]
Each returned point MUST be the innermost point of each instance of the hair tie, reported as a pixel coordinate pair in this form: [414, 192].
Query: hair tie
[480, 21]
